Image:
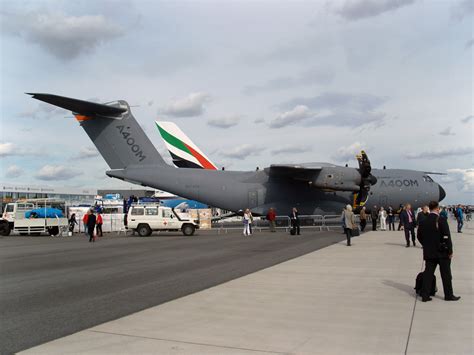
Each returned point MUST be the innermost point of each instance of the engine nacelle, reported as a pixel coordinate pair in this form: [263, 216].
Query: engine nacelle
[337, 179]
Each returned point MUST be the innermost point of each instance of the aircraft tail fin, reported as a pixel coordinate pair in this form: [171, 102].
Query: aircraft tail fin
[112, 128]
[183, 151]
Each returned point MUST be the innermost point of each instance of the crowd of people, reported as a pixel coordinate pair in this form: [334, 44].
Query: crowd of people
[92, 222]
[271, 216]
[428, 225]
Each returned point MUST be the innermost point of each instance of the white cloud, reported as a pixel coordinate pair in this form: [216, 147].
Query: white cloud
[56, 172]
[462, 9]
[342, 109]
[7, 149]
[296, 115]
[243, 151]
[467, 119]
[65, 37]
[314, 76]
[447, 132]
[349, 152]
[13, 171]
[469, 43]
[463, 178]
[86, 152]
[43, 111]
[440, 153]
[224, 122]
[358, 9]
[192, 105]
[291, 149]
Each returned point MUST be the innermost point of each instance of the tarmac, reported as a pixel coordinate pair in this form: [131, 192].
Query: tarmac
[336, 300]
[54, 287]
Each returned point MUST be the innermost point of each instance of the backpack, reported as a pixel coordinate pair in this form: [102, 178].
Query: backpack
[456, 213]
[419, 284]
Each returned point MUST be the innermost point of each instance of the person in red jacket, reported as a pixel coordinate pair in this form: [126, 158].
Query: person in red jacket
[98, 226]
[85, 218]
[271, 216]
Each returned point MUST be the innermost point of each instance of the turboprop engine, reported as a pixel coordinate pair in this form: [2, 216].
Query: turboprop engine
[336, 178]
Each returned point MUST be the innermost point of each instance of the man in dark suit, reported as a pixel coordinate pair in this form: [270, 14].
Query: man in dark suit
[407, 219]
[435, 237]
[295, 221]
[374, 215]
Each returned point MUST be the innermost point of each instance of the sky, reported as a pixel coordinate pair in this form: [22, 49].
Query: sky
[252, 83]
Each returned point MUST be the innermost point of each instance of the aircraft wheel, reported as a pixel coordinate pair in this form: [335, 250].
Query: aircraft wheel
[144, 230]
[188, 229]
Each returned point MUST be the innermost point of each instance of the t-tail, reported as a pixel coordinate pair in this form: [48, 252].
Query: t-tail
[183, 151]
[112, 128]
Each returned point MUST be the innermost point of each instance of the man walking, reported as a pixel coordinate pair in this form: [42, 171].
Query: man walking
[91, 221]
[363, 219]
[295, 222]
[458, 213]
[271, 216]
[435, 237]
[349, 223]
[374, 214]
[399, 212]
[407, 219]
[391, 218]
[99, 222]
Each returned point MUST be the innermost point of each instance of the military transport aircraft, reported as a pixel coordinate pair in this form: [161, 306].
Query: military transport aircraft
[315, 188]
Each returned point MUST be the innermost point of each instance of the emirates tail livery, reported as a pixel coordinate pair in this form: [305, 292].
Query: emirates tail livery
[183, 151]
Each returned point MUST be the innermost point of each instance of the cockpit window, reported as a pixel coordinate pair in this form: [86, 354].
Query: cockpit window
[426, 178]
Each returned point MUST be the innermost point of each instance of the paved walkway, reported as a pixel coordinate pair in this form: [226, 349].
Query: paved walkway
[338, 300]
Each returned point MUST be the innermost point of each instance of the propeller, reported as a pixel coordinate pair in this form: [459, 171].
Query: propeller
[367, 179]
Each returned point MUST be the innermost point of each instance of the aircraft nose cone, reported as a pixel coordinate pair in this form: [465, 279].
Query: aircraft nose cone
[442, 193]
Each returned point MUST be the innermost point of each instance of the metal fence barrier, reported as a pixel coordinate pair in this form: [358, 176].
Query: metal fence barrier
[111, 223]
[319, 222]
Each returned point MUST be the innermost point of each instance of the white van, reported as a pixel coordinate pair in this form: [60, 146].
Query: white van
[148, 217]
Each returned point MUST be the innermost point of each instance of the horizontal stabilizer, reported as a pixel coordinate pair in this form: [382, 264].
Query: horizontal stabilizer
[85, 108]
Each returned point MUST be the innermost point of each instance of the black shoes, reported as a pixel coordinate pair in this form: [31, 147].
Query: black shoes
[407, 246]
[452, 298]
[426, 299]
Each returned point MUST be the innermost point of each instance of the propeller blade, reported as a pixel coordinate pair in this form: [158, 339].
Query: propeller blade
[367, 179]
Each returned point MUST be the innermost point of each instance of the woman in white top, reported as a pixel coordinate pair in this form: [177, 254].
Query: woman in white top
[247, 221]
[383, 219]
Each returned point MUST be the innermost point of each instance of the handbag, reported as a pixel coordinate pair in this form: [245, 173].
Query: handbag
[355, 232]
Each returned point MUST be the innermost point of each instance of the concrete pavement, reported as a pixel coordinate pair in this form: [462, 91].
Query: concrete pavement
[53, 287]
[337, 300]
